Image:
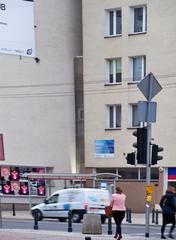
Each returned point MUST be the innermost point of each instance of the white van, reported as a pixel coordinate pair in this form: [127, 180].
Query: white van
[79, 201]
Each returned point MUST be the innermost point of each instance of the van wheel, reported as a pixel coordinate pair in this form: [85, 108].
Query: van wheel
[62, 219]
[76, 217]
[37, 213]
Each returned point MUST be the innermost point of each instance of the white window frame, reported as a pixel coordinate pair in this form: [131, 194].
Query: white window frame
[131, 67]
[107, 23]
[114, 80]
[130, 117]
[115, 120]
[131, 19]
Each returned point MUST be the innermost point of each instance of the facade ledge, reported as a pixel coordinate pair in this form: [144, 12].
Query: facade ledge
[113, 36]
[133, 127]
[112, 84]
[133, 82]
[111, 129]
[136, 33]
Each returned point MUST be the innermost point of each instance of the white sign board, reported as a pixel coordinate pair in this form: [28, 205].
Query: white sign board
[17, 27]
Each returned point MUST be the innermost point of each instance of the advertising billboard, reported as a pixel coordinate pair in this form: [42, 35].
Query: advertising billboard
[104, 148]
[17, 27]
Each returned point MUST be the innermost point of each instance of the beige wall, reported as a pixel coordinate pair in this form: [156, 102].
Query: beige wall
[159, 46]
[37, 99]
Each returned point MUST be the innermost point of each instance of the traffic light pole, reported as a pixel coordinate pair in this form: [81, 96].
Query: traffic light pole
[149, 86]
[148, 163]
[148, 179]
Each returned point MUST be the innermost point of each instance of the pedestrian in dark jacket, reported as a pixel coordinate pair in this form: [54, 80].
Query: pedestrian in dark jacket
[168, 207]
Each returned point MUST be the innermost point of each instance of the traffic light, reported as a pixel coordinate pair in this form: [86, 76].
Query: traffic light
[141, 145]
[155, 157]
[131, 158]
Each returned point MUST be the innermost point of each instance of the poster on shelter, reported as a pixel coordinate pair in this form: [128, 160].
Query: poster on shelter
[104, 148]
[17, 27]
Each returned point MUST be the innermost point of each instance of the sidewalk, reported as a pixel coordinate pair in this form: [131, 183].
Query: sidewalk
[137, 218]
[25, 234]
[11, 234]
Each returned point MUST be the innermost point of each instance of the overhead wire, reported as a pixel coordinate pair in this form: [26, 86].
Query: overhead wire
[104, 90]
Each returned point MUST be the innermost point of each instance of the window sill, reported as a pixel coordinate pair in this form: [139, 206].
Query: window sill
[112, 129]
[113, 36]
[136, 33]
[112, 84]
[133, 127]
[134, 82]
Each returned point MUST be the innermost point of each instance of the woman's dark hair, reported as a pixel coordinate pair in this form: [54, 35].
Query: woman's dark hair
[119, 190]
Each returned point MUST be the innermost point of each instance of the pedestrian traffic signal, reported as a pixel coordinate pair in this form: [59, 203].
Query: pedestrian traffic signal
[131, 158]
[155, 157]
[141, 145]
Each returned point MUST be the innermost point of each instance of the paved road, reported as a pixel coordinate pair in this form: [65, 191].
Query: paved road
[54, 225]
[136, 230]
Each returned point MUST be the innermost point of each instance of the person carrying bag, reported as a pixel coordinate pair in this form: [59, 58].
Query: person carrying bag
[118, 210]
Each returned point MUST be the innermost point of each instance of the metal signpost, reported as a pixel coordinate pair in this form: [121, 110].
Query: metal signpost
[149, 86]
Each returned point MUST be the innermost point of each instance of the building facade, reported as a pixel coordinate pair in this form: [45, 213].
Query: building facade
[124, 40]
[37, 94]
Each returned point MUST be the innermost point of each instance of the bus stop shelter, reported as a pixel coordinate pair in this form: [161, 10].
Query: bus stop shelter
[97, 179]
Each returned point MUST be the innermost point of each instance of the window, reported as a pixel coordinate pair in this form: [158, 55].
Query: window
[53, 199]
[137, 68]
[138, 173]
[154, 173]
[138, 19]
[114, 116]
[128, 173]
[114, 71]
[114, 22]
[133, 116]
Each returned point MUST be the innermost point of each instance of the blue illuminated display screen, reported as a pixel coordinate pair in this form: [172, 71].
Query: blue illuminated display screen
[104, 148]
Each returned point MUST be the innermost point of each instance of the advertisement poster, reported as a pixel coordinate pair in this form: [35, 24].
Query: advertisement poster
[17, 27]
[24, 188]
[5, 173]
[104, 148]
[41, 188]
[15, 188]
[6, 188]
[14, 172]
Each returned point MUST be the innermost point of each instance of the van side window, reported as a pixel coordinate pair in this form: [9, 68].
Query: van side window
[53, 199]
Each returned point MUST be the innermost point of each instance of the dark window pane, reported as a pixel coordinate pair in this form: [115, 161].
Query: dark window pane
[111, 78]
[142, 173]
[128, 173]
[118, 22]
[111, 15]
[106, 170]
[154, 173]
[135, 121]
[118, 70]
[118, 77]
[111, 116]
[111, 71]
[118, 116]
[137, 69]
[138, 19]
